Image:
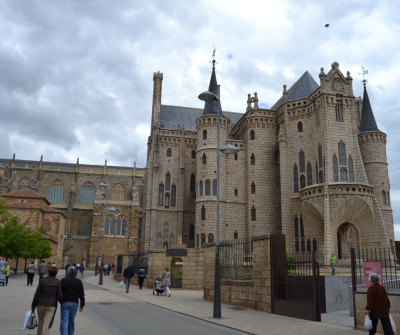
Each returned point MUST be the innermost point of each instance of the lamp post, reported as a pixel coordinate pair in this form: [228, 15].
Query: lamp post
[209, 96]
[104, 233]
[97, 247]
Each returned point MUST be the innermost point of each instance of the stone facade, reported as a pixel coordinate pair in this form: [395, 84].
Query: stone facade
[74, 190]
[313, 167]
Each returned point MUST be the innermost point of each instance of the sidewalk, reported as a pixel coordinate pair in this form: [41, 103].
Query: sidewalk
[191, 303]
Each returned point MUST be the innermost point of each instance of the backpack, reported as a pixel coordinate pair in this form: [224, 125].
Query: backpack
[81, 268]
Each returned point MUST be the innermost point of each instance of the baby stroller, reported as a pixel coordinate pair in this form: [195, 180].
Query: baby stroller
[158, 286]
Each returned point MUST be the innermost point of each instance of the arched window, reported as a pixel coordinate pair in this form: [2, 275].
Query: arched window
[193, 154]
[308, 245]
[165, 245]
[118, 193]
[297, 246]
[351, 169]
[303, 246]
[210, 238]
[192, 183]
[235, 235]
[339, 111]
[295, 179]
[160, 194]
[235, 157]
[321, 177]
[166, 199]
[165, 231]
[253, 159]
[109, 228]
[314, 244]
[121, 226]
[112, 226]
[302, 162]
[320, 160]
[85, 225]
[309, 174]
[343, 175]
[252, 135]
[335, 168]
[203, 213]
[207, 188]
[23, 184]
[301, 226]
[388, 198]
[159, 241]
[201, 188]
[383, 198]
[302, 181]
[204, 134]
[167, 181]
[215, 187]
[235, 192]
[56, 192]
[342, 153]
[169, 152]
[300, 127]
[191, 232]
[173, 195]
[124, 227]
[253, 188]
[197, 241]
[171, 241]
[204, 158]
[203, 239]
[88, 193]
[253, 214]
[296, 226]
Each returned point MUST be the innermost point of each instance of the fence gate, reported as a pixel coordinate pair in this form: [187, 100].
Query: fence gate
[295, 282]
[176, 272]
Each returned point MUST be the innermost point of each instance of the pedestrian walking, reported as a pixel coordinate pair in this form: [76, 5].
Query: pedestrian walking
[166, 277]
[6, 270]
[42, 269]
[127, 276]
[112, 268]
[108, 269]
[66, 268]
[47, 294]
[81, 269]
[105, 267]
[378, 305]
[333, 263]
[30, 273]
[141, 276]
[73, 297]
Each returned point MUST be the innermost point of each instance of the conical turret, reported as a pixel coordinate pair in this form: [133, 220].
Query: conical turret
[368, 122]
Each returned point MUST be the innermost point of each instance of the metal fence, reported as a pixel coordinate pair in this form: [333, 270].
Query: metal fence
[138, 260]
[236, 259]
[390, 269]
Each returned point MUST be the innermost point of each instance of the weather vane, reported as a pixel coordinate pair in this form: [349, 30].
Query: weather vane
[213, 56]
[364, 72]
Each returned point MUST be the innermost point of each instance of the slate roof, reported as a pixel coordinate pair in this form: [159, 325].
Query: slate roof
[174, 117]
[302, 88]
[210, 107]
[368, 122]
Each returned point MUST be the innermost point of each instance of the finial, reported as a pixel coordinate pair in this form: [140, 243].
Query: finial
[213, 56]
[77, 161]
[364, 72]
[41, 158]
[13, 156]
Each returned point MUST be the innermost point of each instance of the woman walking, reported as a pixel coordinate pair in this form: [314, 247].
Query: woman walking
[30, 272]
[166, 276]
[6, 270]
[45, 299]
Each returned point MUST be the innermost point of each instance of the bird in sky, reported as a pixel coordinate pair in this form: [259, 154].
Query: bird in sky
[327, 25]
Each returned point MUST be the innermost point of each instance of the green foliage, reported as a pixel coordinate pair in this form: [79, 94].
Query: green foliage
[291, 262]
[18, 240]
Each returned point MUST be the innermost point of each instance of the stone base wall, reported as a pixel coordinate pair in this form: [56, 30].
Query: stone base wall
[361, 302]
[193, 270]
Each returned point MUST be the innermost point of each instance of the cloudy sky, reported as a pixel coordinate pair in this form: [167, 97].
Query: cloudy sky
[76, 76]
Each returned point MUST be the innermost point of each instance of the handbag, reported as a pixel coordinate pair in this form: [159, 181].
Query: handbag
[32, 322]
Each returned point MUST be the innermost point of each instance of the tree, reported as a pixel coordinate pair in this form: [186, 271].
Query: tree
[37, 245]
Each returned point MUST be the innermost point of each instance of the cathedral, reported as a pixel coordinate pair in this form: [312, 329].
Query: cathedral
[313, 167]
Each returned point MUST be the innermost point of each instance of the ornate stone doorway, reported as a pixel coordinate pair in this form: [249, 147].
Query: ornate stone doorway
[347, 238]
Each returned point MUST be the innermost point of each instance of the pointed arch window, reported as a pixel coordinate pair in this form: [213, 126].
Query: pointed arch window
[253, 188]
[118, 193]
[201, 188]
[112, 226]
[235, 235]
[193, 154]
[383, 197]
[295, 179]
[302, 162]
[342, 153]
[210, 238]
[320, 160]
[166, 199]
[191, 232]
[309, 174]
[252, 135]
[173, 195]
[253, 214]
[165, 245]
[335, 168]
[167, 181]
[23, 184]
[215, 187]
[56, 192]
[308, 245]
[171, 240]
[314, 244]
[160, 194]
[204, 159]
[301, 226]
[321, 177]
[302, 181]
[88, 192]
[203, 239]
[296, 226]
[343, 175]
[85, 225]
[169, 152]
[124, 228]
[207, 188]
[204, 134]
[297, 246]
[203, 213]
[339, 110]
[165, 231]
[235, 192]
[159, 241]
[300, 127]
[192, 183]
[253, 159]
[351, 169]
[303, 245]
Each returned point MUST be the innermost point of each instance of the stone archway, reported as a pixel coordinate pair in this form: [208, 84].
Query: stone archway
[347, 237]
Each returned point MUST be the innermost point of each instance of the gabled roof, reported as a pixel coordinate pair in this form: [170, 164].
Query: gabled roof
[368, 122]
[25, 193]
[174, 117]
[302, 88]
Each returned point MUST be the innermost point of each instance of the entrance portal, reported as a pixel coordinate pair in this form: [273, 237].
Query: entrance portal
[347, 238]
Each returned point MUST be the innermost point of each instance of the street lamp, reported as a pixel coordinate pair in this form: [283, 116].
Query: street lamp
[111, 209]
[229, 149]
[97, 248]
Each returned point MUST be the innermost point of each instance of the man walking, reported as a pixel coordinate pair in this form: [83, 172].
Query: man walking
[127, 276]
[42, 269]
[141, 276]
[72, 291]
[333, 263]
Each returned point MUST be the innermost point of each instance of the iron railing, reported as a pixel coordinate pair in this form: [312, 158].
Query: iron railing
[236, 259]
[138, 260]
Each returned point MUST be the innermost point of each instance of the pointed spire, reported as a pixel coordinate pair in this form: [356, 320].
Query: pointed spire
[368, 122]
[210, 107]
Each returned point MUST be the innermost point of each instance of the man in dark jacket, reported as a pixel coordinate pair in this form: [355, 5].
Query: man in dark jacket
[72, 291]
[141, 276]
[127, 276]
